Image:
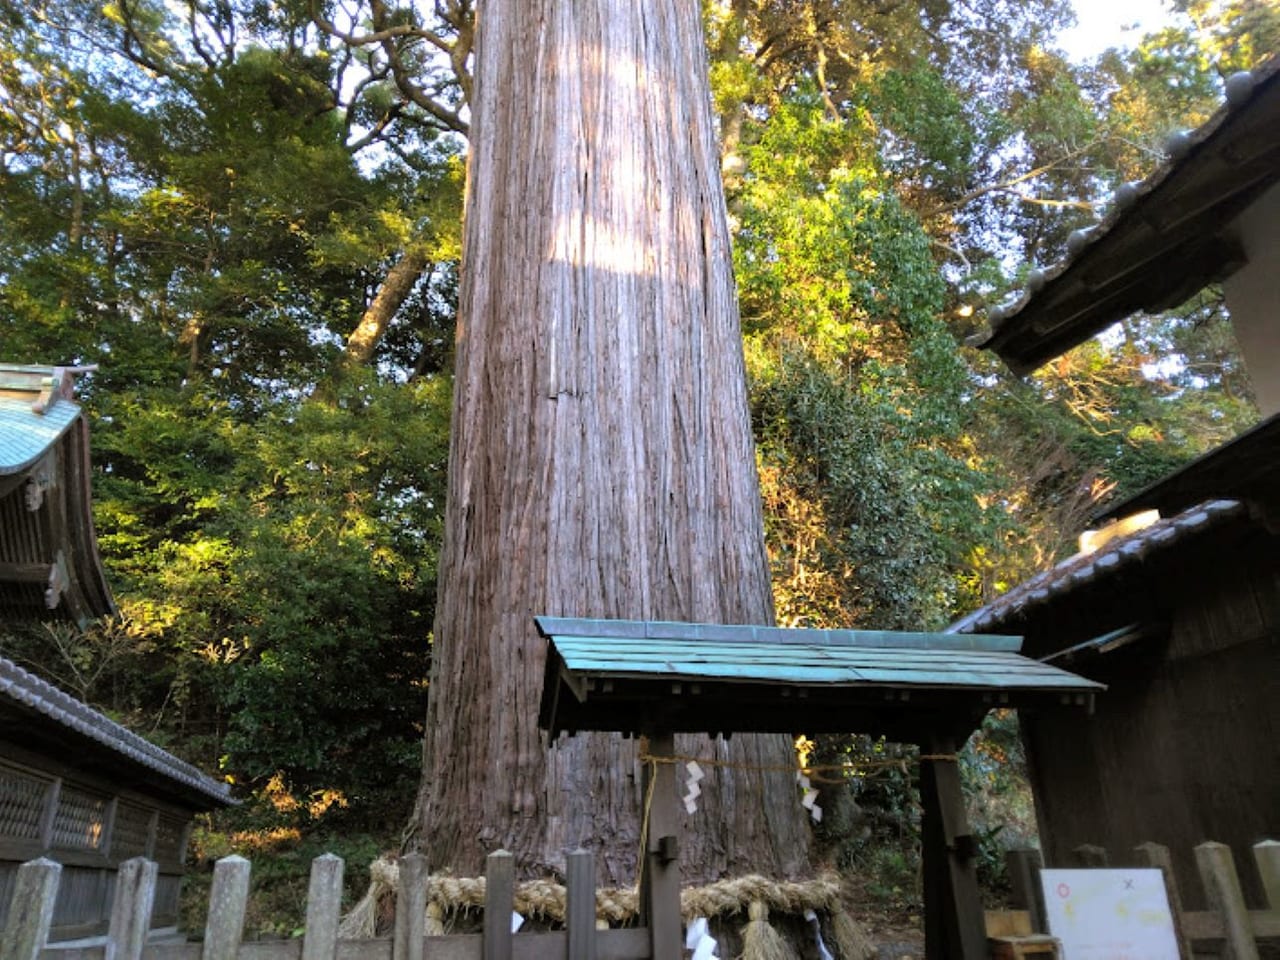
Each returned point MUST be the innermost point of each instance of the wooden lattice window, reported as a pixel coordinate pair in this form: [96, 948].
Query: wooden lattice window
[80, 820]
[169, 840]
[129, 835]
[22, 800]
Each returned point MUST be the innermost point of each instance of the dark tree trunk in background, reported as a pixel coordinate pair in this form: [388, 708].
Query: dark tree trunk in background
[601, 462]
[396, 287]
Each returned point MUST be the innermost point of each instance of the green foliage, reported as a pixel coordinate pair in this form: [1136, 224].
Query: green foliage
[291, 563]
[187, 208]
[281, 854]
[857, 390]
[993, 775]
[204, 200]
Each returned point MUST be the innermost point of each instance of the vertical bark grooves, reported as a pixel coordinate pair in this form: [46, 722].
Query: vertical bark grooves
[601, 459]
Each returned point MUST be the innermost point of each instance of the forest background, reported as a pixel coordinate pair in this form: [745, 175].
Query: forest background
[247, 214]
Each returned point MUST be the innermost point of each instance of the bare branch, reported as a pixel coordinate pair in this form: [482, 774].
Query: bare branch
[390, 37]
[378, 36]
[1005, 186]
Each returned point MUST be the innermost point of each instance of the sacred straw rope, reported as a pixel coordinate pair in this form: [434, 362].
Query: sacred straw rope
[620, 905]
[860, 768]
[545, 899]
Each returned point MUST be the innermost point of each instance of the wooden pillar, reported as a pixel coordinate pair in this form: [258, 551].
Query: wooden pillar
[131, 909]
[954, 925]
[1157, 856]
[660, 869]
[1222, 889]
[228, 901]
[30, 910]
[1090, 856]
[1267, 855]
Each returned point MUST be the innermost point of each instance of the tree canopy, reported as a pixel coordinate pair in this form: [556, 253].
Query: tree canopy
[248, 216]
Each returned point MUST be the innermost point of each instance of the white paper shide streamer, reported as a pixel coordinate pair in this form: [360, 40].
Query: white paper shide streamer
[693, 790]
[698, 938]
[809, 800]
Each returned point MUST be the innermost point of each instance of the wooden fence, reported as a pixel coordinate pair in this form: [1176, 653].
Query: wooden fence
[1228, 919]
[31, 911]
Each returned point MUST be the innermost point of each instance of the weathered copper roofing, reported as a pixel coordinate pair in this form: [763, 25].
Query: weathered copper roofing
[49, 562]
[1087, 568]
[626, 674]
[45, 706]
[1163, 239]
[26, 435]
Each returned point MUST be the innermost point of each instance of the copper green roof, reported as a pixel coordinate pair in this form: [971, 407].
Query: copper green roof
[49, 563]
[25, 436]
[630, 675]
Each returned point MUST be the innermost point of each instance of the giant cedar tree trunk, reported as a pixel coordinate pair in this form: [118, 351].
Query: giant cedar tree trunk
[601, 462]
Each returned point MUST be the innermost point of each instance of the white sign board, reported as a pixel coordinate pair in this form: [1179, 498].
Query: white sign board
[1109, 914]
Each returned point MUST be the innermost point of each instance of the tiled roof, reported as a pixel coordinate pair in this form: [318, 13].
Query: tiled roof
[1086, 568]
[1162, 240]
[28, 690]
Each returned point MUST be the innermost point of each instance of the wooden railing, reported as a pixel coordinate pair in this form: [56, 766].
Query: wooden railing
[1228, 918]
[31, 910]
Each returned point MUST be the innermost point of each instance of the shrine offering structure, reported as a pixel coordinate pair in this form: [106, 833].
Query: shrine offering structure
[658, 679]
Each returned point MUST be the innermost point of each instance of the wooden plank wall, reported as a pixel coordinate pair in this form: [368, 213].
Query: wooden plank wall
[91, 828]
[1185, 743]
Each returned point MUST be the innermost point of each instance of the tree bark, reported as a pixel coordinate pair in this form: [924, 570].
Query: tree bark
[601, 461]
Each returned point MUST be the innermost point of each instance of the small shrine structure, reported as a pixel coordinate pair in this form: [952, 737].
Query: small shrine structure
[75, 786]
[49, 563]
[658, 679]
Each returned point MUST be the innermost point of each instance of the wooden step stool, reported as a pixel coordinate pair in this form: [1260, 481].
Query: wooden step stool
[1037, 946]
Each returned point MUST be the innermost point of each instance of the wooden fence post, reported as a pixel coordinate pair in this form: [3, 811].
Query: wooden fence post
[1267, 856]
[228, 900]
[324, 905]
[1156, 855]
[131, 909]
[411, 908]
[1090, 856]
[580, 905]
[1024, 866]
[499, 904]
[30, 910]
[1222, 888]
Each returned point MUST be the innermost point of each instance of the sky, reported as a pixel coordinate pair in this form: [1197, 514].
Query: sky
[1103, 23]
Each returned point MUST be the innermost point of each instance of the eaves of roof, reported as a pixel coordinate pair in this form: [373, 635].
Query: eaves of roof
[64, 711]
[1086, 569]
[625, 675]
[1162, 240]
[1246, 468]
